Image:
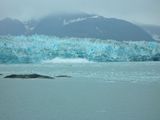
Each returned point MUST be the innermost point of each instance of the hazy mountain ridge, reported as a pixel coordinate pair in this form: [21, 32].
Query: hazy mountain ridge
[77, 25]
[153, 30]
[10, 26]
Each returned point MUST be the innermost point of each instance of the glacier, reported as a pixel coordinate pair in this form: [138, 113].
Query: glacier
[40, 48]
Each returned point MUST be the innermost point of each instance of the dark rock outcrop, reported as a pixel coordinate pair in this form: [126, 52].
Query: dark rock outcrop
[28, 76]
[63, 76]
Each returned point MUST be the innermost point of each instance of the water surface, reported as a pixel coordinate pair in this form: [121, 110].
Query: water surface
[96, 91]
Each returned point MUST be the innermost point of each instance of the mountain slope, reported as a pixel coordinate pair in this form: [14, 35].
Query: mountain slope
[79, 25]
[11, 27]
[153, 30]
[90, 26]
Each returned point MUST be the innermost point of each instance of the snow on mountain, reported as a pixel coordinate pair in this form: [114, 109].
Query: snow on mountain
[78, 20]
[78, 25]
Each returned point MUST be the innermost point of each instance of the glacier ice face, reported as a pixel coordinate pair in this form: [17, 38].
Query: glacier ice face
[38, 48]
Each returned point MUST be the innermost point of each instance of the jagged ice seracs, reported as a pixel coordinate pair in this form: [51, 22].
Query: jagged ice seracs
[40, 48]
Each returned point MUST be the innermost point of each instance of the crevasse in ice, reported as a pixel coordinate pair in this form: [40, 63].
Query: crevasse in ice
[38, 48]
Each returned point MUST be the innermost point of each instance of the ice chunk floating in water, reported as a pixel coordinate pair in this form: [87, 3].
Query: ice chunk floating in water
[39, 48]
[66, 60]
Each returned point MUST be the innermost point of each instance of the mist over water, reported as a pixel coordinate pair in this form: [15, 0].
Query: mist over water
[141, 11]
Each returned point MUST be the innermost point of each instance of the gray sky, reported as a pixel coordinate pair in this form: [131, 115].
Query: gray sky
[140, 11]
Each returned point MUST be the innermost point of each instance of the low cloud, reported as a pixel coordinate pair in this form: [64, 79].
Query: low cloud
[141, 11]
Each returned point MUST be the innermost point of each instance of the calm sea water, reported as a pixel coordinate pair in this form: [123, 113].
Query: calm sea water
[96, 91]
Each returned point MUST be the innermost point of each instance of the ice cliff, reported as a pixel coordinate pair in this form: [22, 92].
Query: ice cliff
[38, 48]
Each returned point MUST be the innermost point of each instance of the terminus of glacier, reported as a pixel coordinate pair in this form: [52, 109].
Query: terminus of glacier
[38, 48]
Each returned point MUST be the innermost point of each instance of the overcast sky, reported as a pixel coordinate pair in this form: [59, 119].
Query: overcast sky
[140, 11]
